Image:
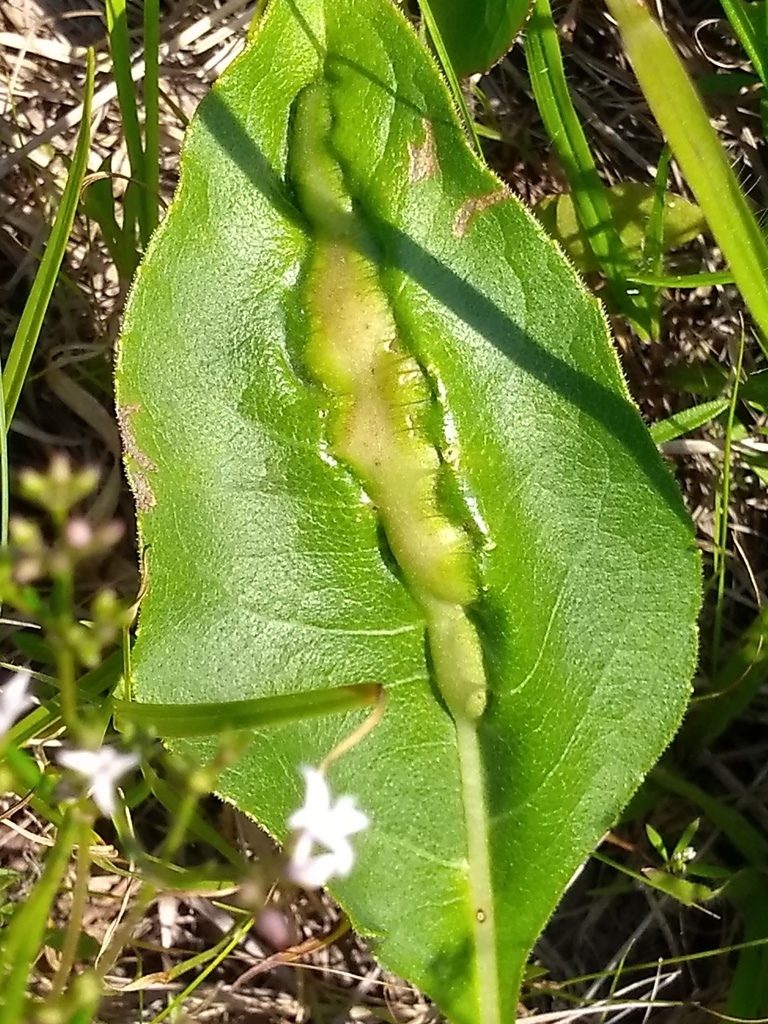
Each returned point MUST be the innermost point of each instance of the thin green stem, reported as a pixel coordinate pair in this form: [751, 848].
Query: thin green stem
[77, 909]
[590, 200]
[181, 823]
[225, 948]
[723, 505]
[480, 882]
[122, 937]
[36, 306]
[66, 678]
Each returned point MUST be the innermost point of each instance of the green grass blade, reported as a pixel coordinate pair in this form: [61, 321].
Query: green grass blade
[748, 989]
[685, 123]
[152, 109]
[745, 19]
[703, 280]
[553, 99]
[722, 506]
[689, 419]
[211, 719]
[450, 74]
[653, 244]
[4, 476]
[45, 718]
[199, 827]
[120, 48]
[36, 306]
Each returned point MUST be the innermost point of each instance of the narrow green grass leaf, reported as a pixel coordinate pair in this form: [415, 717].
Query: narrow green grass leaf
[5, 489]
[749, 22]
[689, 419]
[152, 110]
[553, 99]
[168, 720]
[446, 63]
[748, 840]
[36, 306]
[748, 990]
[722, 510]
[685, 123]
[199, 827]
[90, 687]
[120, 49]
[653, 243]
[220, 953]
[98, 203]
[704, 280]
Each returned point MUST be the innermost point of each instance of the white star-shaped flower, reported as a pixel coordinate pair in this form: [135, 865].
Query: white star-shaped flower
[318, 823]
[15, 699]
[102, 768]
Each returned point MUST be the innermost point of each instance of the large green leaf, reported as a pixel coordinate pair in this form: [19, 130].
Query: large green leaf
[377, 432]
[477, 33]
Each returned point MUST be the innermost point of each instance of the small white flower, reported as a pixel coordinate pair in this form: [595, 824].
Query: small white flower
[15, 699]
[319, 823]
[102, 768]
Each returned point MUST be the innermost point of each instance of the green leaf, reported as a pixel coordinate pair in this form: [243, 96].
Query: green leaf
[689, 893]
[478, 34]
[36, 306]
[686, 420]
[631, 205]
[377, 433]
[750, 21]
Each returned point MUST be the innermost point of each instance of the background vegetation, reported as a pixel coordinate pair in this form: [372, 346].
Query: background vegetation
[647, 923]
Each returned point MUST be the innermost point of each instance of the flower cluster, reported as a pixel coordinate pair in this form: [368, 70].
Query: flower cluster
[320, 847]
[101, 768]
[319, 823]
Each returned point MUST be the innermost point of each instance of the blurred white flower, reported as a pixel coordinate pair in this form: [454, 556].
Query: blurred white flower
[15, 699]
[319, 823]
[102, 768]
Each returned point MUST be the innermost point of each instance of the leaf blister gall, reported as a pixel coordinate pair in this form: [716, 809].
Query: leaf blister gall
[382, 401]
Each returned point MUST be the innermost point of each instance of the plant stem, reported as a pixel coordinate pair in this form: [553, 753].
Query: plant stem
[79, 898]
[480, 882]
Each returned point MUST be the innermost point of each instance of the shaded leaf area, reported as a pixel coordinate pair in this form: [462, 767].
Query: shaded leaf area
[269, 569]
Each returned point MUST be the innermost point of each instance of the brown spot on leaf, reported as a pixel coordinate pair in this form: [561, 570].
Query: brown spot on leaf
[472, 206]
[142, 491]
[423, 156]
